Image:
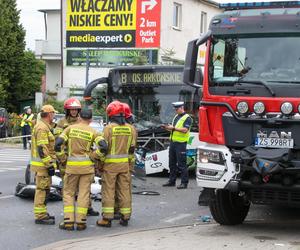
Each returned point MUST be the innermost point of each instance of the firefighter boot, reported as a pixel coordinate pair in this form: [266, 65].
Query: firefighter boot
[103, 223]
[92, 212]
[123, 222]
[117, 216]
[81, 226]
[69, 226]
[49, 220]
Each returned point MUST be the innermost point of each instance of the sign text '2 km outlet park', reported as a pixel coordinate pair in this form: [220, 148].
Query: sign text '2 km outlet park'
[113, 23]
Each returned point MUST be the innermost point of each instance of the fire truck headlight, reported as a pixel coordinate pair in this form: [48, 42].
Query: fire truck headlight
[299, 108]
[286, 108]
[242, 108]
[211, 165]
[259, 108]
[205, 156]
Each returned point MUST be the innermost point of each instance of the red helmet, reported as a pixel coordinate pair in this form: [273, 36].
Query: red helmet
[115, 108]
[72, 103]
[127, 110]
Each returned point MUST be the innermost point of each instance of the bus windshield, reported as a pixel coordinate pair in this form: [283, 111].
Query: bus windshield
[152, 105]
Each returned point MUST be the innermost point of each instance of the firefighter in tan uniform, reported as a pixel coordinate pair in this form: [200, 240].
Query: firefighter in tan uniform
[72, 107]
[129, 120]
[80, 169]
[42, 162]
[116, 170]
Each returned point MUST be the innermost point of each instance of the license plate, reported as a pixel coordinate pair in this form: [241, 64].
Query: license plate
[274, 143]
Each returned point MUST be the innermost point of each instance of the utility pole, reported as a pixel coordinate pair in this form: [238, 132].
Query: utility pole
[87, 67]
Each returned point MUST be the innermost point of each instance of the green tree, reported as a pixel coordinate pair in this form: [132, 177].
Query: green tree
[32, 70]
[12, 47]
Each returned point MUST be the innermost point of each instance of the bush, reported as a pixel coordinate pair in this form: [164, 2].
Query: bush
[14, 123]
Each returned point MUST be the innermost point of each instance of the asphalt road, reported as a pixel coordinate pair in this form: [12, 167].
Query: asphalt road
[172, 207]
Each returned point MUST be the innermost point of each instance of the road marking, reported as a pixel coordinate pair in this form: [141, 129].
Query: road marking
[6, 161]
[178, 217]
[9, 155]
[15, 155]
[6, 197]
[12, 169]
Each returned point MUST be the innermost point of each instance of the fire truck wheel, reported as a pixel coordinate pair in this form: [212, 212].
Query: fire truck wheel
[228, 208]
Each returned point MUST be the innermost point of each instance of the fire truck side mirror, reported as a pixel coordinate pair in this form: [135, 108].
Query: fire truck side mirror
[191, 74]
[190, 64]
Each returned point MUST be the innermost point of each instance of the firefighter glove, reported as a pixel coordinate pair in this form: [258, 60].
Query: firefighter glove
[51, 170]
[103, 146]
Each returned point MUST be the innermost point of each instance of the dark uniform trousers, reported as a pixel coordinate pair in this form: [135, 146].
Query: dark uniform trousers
[26, 130]
[177, 154]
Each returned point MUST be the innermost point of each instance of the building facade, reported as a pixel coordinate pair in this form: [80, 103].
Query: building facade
[66, 67]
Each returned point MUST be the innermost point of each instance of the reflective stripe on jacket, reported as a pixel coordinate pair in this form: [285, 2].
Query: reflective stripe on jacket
[119, 138]
[42, 148]
[177, 136]
[118, 134]
[80, 139]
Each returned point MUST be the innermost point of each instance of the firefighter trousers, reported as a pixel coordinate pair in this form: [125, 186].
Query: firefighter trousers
[42, 191]
[72, 184]
[117, 202]
[62, 175]
[116, 184]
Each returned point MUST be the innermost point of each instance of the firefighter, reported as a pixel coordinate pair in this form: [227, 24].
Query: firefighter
[116, 170]
[129, 120]
[80, 169]
[179, 136]
[26, 125]
[42, 162]
[72, 107]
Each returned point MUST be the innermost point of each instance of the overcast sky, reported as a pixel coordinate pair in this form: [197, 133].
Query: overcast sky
[33, 21]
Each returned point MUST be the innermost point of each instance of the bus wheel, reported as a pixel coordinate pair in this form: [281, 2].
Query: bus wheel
[228, 208]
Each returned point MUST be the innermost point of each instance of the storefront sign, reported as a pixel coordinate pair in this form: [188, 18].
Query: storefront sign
[111, 58]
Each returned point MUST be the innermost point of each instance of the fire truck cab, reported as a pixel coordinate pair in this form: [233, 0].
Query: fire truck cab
[249, 115]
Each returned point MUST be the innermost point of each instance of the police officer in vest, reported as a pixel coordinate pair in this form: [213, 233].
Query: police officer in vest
[26, 125]
[179, 136]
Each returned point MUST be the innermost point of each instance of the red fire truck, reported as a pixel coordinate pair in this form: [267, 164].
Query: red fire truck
[249, 117]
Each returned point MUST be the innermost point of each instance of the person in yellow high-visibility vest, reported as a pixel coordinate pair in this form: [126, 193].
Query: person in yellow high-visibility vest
[179, 136]
[26, 125]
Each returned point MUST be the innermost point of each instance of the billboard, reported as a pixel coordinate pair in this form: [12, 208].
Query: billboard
[111, 58]
[113, 23]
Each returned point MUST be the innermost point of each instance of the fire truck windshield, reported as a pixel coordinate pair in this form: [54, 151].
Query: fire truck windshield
[274, 61]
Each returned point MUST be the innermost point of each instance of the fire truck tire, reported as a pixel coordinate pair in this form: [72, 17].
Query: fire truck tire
[228, 208]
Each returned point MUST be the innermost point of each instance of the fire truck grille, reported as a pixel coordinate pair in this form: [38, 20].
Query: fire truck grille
[261, 196]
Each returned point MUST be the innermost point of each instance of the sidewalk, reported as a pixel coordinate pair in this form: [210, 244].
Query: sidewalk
[204, 236]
